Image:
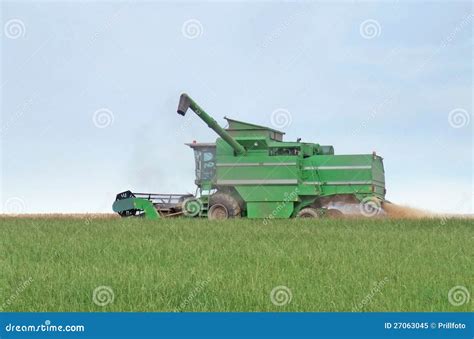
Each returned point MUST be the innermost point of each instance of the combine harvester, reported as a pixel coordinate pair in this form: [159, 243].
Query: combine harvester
[251, 172]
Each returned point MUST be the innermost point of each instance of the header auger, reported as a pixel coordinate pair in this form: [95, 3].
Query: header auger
[249, 171]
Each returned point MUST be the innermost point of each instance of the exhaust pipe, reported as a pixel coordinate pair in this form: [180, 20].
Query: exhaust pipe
[184, 103]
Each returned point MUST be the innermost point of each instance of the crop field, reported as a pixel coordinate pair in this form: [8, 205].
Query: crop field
[361, 265]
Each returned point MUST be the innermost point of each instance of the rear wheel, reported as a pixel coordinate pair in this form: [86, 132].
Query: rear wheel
[223, 206]
[308, 212]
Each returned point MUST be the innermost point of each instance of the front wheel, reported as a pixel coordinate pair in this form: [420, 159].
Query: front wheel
[223, 206]
[218, 212]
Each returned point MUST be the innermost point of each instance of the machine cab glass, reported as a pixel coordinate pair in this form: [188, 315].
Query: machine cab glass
[205, 161]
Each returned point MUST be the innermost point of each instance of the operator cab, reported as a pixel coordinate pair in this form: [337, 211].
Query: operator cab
[205, 159]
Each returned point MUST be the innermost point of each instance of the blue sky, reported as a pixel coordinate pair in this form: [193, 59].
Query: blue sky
[394, 77]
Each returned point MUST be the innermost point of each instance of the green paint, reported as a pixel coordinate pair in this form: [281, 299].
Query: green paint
[275, 178]
[137, 204]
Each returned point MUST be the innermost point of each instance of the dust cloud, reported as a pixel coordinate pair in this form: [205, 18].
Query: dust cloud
[395, 211]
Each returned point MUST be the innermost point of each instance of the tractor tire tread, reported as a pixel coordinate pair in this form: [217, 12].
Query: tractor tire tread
[230, 203]
[308, 212]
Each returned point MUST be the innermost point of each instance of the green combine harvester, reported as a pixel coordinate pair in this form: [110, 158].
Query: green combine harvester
[251, 172]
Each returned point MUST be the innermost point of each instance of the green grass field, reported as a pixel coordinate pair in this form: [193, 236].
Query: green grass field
[55, 264]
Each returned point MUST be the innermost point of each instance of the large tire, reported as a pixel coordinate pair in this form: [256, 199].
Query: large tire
[308, 212]
[223, 206]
